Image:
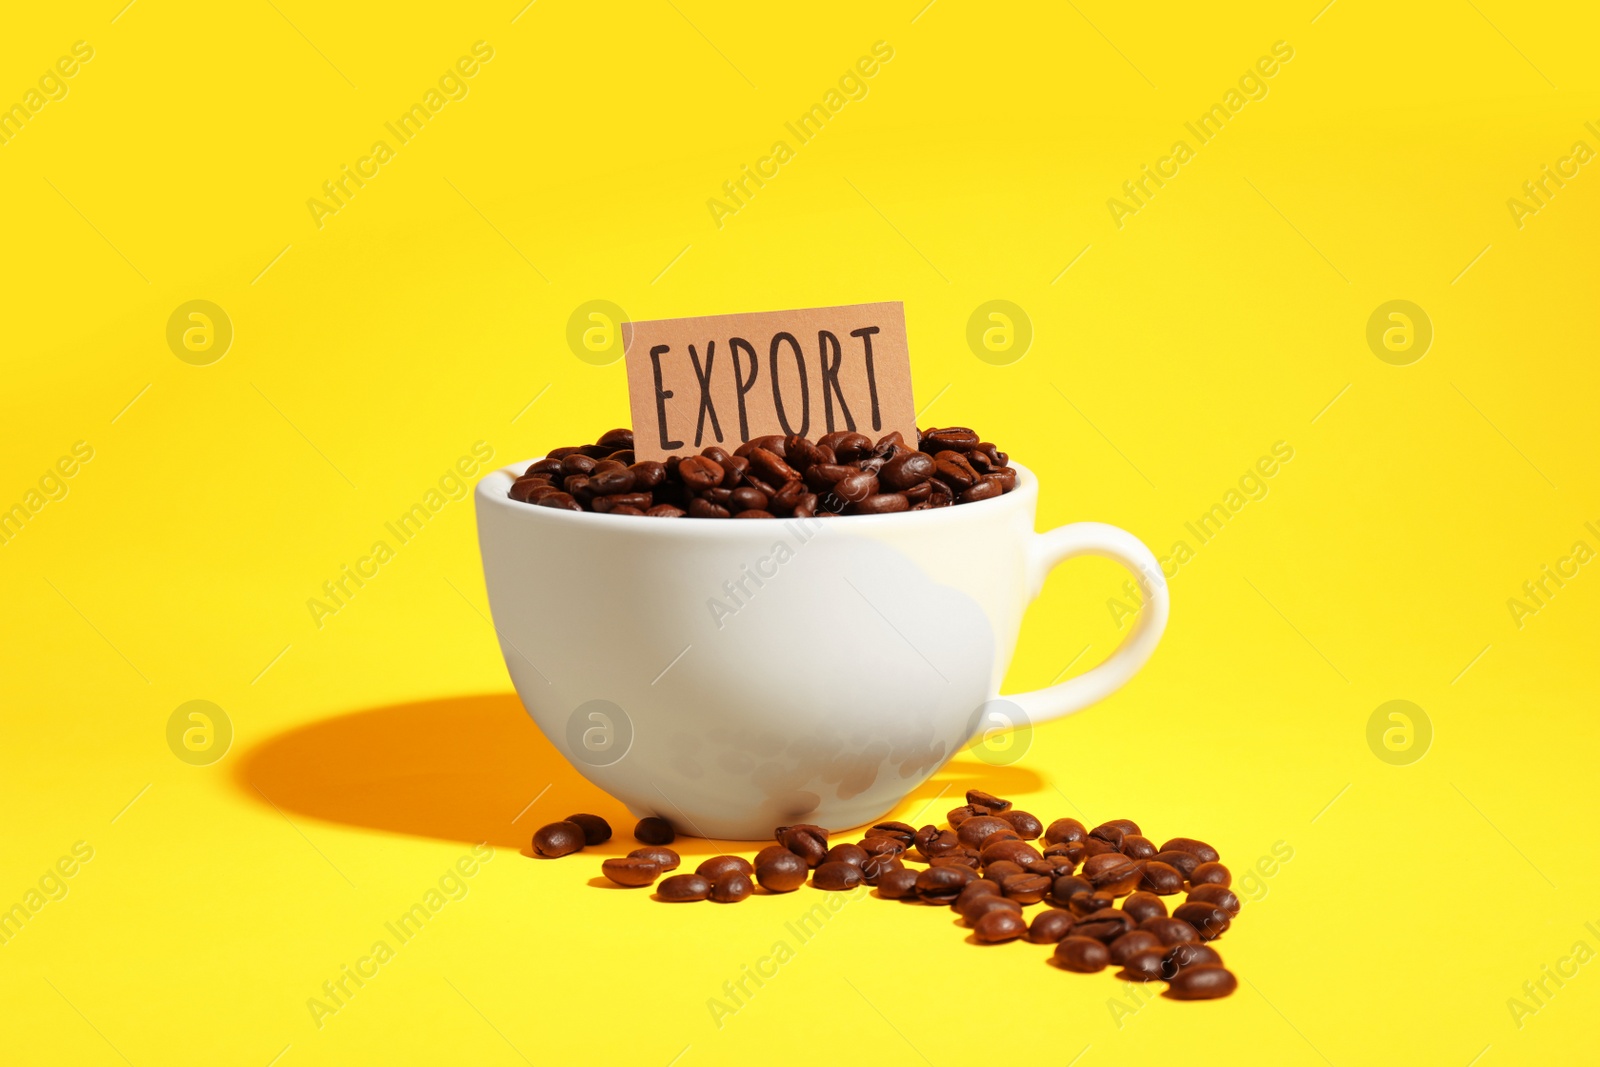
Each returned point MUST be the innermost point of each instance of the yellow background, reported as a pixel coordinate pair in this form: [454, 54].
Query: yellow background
[1226, 315]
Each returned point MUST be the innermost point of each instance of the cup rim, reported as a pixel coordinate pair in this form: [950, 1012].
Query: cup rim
[493, 487]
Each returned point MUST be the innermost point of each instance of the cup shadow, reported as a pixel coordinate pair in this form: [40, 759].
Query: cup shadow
[474, 768]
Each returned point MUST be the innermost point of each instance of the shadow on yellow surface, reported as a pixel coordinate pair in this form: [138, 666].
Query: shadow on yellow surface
[475, 768]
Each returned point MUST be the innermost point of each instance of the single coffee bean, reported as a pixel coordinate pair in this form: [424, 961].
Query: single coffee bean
[941, 885]
[955, 859]
[877, 866]
[845, 852]
[1065, 830]
[631, 871]
[987, 800]
[771, 466]
[647, 474]
[1069, 850]
[1010, 851]
[1114, 831]
[731, 887]
[903, 831]
[1104, 862]
[1161, 879]
[856, 486]
[1183, 862]
[1137, 847]
[1144, 906]
[1131, 942]
[1202, 982]
[1088, 903]
[1187, 954]
[959, 438]
[595, 829]
[1206, 853]
[1106, 925]
[1212, 873]
[944, 843]
[898, 884]
[956, 816]
[882, 845]
[767, 853]
[1026, 888]
[1145, 966]
[1067, 886]
[1220, 895]
[1084, 955]
[1050, 926]
[704, 509]
[622, 437]
[559, 501]
[983, 887]
[782, 873]
[664, 858]
[924, 836]
[982, 906]
[607, 483]
[906, 470]
[805, 840]
[1209, 921]
[1118, 879]
[975, 830]
[999, 926]
[577, 463]
[666, 511]
[557, 839]
[1094, 846]
[654, 831]
[1171, 931]
[681, 888]
[836, 875]
[1060, 864]
[1026, 825]
[882, 504]
[985, 488]
[717, 866]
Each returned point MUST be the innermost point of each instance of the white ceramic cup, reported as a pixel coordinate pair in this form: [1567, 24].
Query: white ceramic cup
[732, 676]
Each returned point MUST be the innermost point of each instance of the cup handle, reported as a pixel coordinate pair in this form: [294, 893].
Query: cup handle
[1045, 552]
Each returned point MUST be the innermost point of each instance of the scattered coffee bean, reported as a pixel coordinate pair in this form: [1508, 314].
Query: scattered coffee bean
[1026, 825]
[941, 885]
[882, 845]
[998, 926]
[1131, 942]
[1067, 886]
[1208, 920]
[1026, 888]
[1144, 906]
[1220, 895]
[1088, 903]
[596, 830]
[1094, 846]
[1117, 877]
[1143, 966]
[717, 866]
[1161, 879]
[902, 832]
[982, 906]
[1106, 925]
[1082, 954]
[978, 796]
[1137, 848]
[1183, 862]
[854, 855]
[1202, 982]
[782, 873]
[1050, 926]
[983, 887]
[877, 866]
[977, 829]
[1206, 853]
[631, 871]
[1187, 954]
[681, 888]
[654, 831]
[808, 842]
[1065, 830]
[557, 839]
[836, 875]
[731, 887]
[664, 858]
[1211, 873]
[900, 884]
[1170, 930]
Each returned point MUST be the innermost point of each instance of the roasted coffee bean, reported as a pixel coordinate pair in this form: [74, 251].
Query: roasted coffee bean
[1212, 873]
[747, 499]
[1094, 846]
[612, 481]
[717, 866]
[771, 466]
[924, 836]
[836, 875]
[1118, 878]
[1136, 847]
[904, 831]
[955, 859]
[698, 472]
[1089, 903]
[557, 839]
[647, 474]
[704, 509]
[1026, 888]
[979, 798]
[1161, 879]
[666, 511]
[952, 469]
[1026, 825]
[1171, 931]
[1208, 920]
[620, 438]
[1071, 850]
[1206, 853]
[1114, 831]
[800, 453]
[1106, 925]
[898, 884]
[956, 816]
[767, 853]
[1067, 886]
[1183, 862]
[1050, 926]
[559, 501]
[782, 873]
[1145, 966]
[942, 843]
[999, 926]
[982, 906]
[882, 845]
[681, 888]
[577, 463]
[631, 871]
[1187, 954]
[881, 504]
[877, 866]
[983, 887]
[998, 871]
[1131, 942]
[1065, 830]
[595, 829]
[731, 887]
[1220, 895]
[1202, 982]
[906, 470]
[1084, 955]
[664, 858]
[1012, 851]
[985, 488]
[854, 855]
[1144, 906]
[856, 486]
[846, 444]
[973, 832]
[959, 438]
[1059, 864]
[654, 831]
[805, 840]
[1039, 866]
[941, 885]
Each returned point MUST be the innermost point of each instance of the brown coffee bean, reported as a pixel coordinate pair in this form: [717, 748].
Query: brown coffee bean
[900, 884]
[717, 866]
[985, 488]
[1187, 954]
[664, 858]
[952, 469]
[1067, 886]
[647, 474]
[1065, 830]
[1094, 846]
[877, 866]
[666, 511]
[1089, 903]
[1206, 853]
[973, 832]
[767, 853]
[1084, 955]
[856, 486]
[925, 836]
[1113, 831]
[595, 829]
[630, 871]
[1012, 851]
[1118, 878]
[1183, 862]
[1136, 847]
[698, 472]
[1106, 925]
[682, 888]
[963, 858]
[999, 926]
[1211, 874]
[577, 463]
[771, 466]
[607, 483]
[1208, 920]
[979, 798]
[654, 831]
[1026, 888]
[747, 499]
[1220, 895]
[836, 875]
[805, 840]
[557, 839]
[1161, 879]
[981, 906]
[882, 845]
[1131, 942]
[1145, 966]
[1050, 926]
[1059, 865]
[943, 843]
[882, 504]
[998, 871]
[622, 437]
[959, 438]
[941, 885]
[956, 816]
[845, 852]
[1202, 982]
[704, 509]
[906, 470]
[559, 501]
[731, 887]
[781, 873]
[1027, 826]
[1171, 931]
[1069, 850]
[983, 887]
[904, 831]
[1144, 906]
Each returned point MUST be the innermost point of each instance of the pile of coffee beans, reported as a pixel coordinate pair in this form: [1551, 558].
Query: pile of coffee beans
[989, 863]
[842, 473]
